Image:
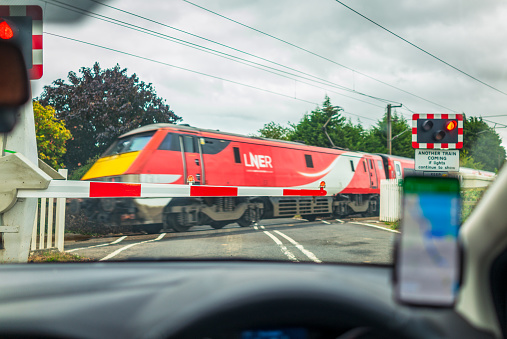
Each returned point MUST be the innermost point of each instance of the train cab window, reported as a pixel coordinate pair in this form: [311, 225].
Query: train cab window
[189, 144]
[309, 161]
[352, 166]
[131, 143]
[398, 170]
[170, 143]
[237, 157]
[371, 164]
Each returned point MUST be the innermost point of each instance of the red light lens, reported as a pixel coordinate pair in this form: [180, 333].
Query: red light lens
[451, 125]
[6, 31]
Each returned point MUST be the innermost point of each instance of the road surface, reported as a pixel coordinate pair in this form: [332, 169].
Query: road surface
[321, 241]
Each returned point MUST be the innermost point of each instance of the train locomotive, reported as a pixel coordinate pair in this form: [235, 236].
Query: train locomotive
[173, 154]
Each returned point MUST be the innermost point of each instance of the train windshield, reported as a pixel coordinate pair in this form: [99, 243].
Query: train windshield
[272, 130]
[130, 143]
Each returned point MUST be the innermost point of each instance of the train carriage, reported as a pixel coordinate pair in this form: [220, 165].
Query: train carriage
[171, 154]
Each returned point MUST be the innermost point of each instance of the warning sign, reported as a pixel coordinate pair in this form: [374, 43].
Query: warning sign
[436, 160]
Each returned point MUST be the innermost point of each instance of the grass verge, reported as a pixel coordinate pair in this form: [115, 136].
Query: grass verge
[394, 225]
[53, 256]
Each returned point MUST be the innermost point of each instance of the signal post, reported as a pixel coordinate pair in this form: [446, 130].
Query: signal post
[437, 139]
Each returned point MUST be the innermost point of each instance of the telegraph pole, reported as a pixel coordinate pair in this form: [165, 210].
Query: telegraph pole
[389, 128]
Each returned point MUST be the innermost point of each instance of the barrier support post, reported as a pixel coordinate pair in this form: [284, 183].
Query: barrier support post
[60, 217]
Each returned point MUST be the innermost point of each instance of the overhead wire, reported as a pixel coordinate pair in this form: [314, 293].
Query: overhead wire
[420, 48]
[222, 54]
[315, 54]
[179, 67]
[494, 122]
[192, 71]
[494, 116]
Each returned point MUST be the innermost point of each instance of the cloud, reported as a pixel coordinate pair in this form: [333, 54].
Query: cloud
[468, 34]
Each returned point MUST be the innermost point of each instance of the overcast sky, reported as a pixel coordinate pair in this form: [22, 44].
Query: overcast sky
[470, 35]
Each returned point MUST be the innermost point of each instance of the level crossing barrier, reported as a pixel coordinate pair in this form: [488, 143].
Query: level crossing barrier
[390, 200]
[48, 215]
[99, 189]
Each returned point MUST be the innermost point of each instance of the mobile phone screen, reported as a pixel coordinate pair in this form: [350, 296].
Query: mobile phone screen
[427, 265]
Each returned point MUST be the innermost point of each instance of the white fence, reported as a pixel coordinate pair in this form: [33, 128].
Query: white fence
[49, 224]
[390, 200]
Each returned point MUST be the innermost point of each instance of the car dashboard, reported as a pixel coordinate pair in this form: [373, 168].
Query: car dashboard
[214, 299]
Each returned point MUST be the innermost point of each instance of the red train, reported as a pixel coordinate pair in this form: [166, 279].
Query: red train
[170, 154]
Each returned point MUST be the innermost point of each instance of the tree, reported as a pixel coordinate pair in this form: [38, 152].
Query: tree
[465, 160]
[99, 105]
[342, 132]
[274, 130]
[51, 135]
[483, 144]
[376, 138]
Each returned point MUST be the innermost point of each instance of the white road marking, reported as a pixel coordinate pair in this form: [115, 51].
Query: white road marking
[118, 251]
[284, 249]
[340, 221]
[101, 245]
[374, 226]
[255, 227]
[263, 227]
[300, 247]
[326, 222]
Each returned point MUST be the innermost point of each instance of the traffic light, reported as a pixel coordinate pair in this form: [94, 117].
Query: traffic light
[22, 26]
[441, 131]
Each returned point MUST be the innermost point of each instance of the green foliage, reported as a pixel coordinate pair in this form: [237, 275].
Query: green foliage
[466, 160]
[99, 105]
[483, 144]
[376, 138]
[79, 172]
[51, 135]
[341, 131]
[394, 225]
[273, 130]
[470, 199]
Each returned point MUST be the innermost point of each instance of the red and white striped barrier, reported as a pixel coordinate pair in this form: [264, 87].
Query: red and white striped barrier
[93, 189]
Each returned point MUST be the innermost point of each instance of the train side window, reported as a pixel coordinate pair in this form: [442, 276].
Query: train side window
[352, 166]
[309, 160]
[189, 144]
[379, 164]
[364, 165]
[170, 143]
[237, 157]
[214, 146]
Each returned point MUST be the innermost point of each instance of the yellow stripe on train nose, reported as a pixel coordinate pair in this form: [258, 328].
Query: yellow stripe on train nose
[112, 165]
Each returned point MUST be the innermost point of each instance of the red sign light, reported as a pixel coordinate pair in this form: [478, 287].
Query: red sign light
[6, 31]
[451, 125]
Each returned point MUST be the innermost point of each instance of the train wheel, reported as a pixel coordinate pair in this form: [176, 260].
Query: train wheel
[373, 211]
[309, 217]
[176, 220]
[152, 229]
[244, 222]
[172, 221]
[218, 224]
